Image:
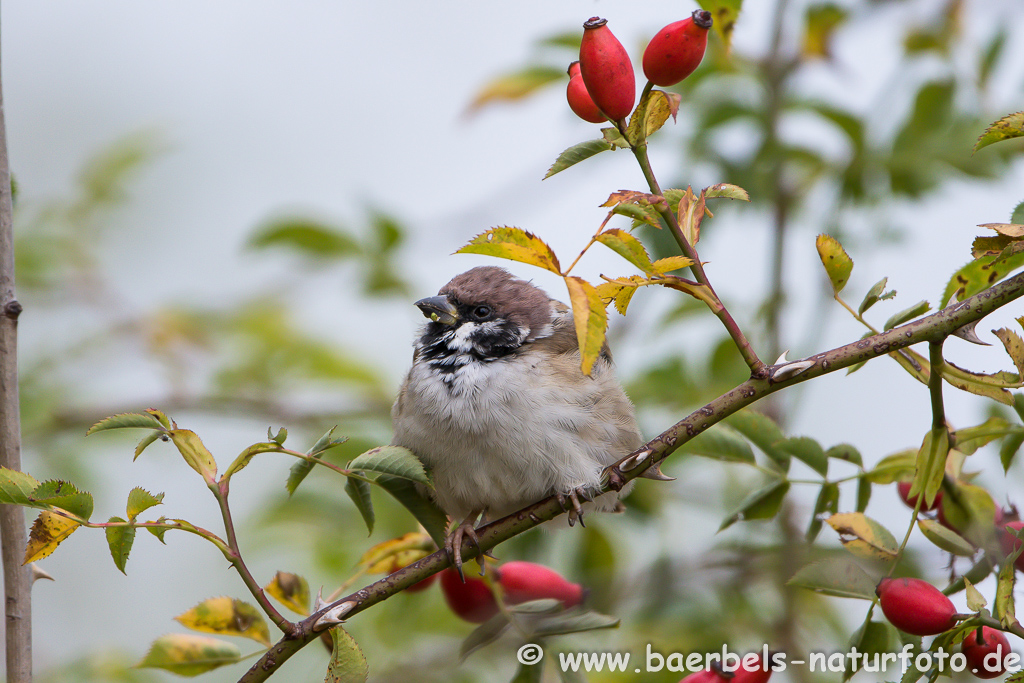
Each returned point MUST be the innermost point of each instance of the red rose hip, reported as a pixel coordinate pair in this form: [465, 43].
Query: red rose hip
[988, 659]
[705, 676]
[749, 672]
[676, 50]
[472, 601]
[525, 581]
[579, 99]
[915, 606]
[903, 488]
[606, 70]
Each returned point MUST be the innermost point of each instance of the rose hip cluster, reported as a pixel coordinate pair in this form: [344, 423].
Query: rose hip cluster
[520, 582]
[601, 84]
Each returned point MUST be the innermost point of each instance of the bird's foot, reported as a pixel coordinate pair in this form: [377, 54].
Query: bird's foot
[573, 497]
[453, 543]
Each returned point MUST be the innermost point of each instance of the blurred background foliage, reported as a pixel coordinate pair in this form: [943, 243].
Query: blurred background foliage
[772, 119]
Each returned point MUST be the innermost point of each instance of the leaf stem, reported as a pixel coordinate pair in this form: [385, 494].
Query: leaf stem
[757, 368]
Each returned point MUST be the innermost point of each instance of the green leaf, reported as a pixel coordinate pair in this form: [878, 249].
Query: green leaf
[931, 465]
[483, 635]
[307, 237]
[763, 503]
[1008, 450]
[120, 539]
[63, 495]
[158, 531]
[1005, 609]
[1018, 214]
[615, 138]
[325, 442]
[863, 493]
[875, 294]
[828, 501]
[194, 452]
[248, 454]
[140, 500]
[590, 318]
[1009, 127]
[846, 453]
[146, 441]
[126, 421]
[721, 443]
[808, 451]
[359, 491]
[761, 431]
[918, 309]
[979, 275]
[574, 623]
[348, 663]
[528, 673]
[894, 467]
[189, 655]
[838, 264]
[576, 154]
[970, 439]
[301, 468]
[393, 460]
[227, 616]
[726, 191]
[863, 536]
[15, 486]
[944, 538]
[514, 244]
[838, 576]
[422, 508]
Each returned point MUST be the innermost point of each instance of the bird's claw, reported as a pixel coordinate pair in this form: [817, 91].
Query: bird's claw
[453, 544]
[576, 511]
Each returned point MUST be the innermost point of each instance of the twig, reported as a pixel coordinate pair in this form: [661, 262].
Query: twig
[931, 328]
[17, 579]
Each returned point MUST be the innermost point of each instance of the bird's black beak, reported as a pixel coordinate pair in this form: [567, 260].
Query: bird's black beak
[439, 309]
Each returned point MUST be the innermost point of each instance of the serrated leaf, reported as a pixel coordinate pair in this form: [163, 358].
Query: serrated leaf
[944, 538]
[979, 275]
[393, 460]
[763, 503]
[348, 664]
[1017, 216]
[894, 467]
[301, 468]
[838, 576]
[628, 247]
[808, 451]
[291, 590]
[620, 291]
[1014, 347]
[639, 214]
[863, 536]
[422, 508]
[140, 500]
[907, 314]
[931, 465]
[514, 244]
[670, 263]
[590, 318]
[146, 441]
[126, 421]
[194, 452]
[761, 431]
[721, 443]
[120, 540]
[248, 454]
[1006, 128]
[726, 191]
[576, 154]
[227, 616]
[650, 115]
[189, 655]
[63, 495]
[47, 532]
[325, 442]
[875, 294]
[975, 600]
[359, 491]
[838, 264]
[15, 486]
[158, 531]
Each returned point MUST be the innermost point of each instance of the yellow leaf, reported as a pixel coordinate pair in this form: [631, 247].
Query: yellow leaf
[591, 320]
[514, 244]
[48, 531]
[382, 552]
[1011, 126]
[291, 590]
[863, 536]
[837, 262]
[620, 291]
[1014, 346]
[189, 655]
[227, 616]
[396, 561]
[194, 452]
[515, 86]
[670, 263]
[628, 247]
[691, 213]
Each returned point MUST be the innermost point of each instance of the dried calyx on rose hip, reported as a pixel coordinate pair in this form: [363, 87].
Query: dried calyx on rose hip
[676, 50]
[986, 658]
[526, 581]
[915, 606]
[580, 101]
[606, 70]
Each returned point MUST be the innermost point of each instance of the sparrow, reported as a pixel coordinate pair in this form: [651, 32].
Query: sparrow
[497, 407]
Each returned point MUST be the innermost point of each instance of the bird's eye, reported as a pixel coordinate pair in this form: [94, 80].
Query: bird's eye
[482, 312]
